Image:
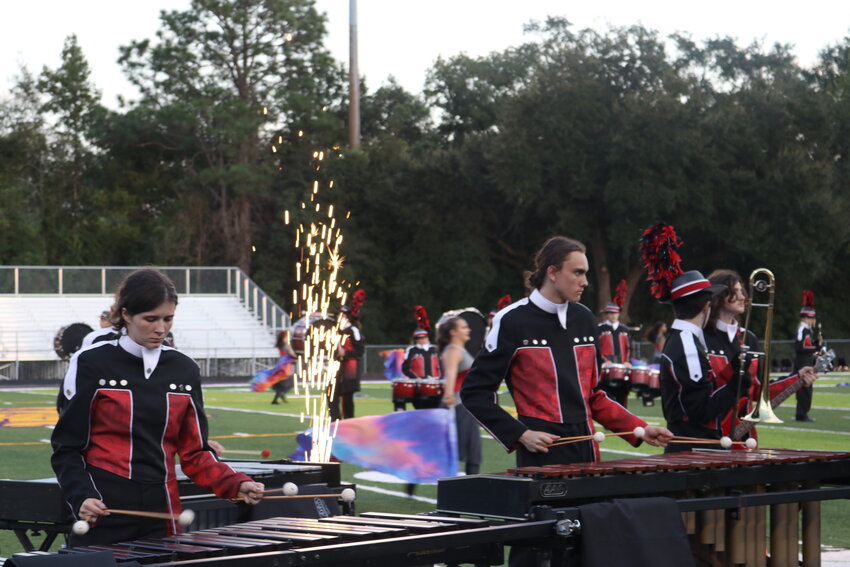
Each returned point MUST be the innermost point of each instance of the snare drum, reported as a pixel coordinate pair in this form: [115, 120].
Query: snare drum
[616, 373]
[404, 389]
[654, 381]
[639, 377]
[431, 388]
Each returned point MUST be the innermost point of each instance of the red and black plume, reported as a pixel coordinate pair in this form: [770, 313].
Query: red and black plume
[808, 299]
[620, 295]
[504, 301]
[659, 251]
[421, 317]
[357, 301]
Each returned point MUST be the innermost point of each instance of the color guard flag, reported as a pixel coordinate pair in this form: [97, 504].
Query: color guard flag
[418, 446]
[393, 360]
[265, 379]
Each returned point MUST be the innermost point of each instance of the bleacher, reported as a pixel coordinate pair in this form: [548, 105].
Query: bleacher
[204, 326]
[229, 329]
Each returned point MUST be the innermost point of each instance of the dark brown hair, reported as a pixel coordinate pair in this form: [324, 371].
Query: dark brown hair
[444, 336]
[553, 253]
[141, 291]
[728, 278]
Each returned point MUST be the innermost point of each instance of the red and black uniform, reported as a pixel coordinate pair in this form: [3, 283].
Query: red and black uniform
[614, 348]
[421, 362]
[129, 412]
[805, 347]
[614, 342]
[547, 355]
[724, 343]
[693, 399]
[350, 371]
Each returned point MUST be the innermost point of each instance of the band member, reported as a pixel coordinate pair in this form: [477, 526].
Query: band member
[503, 302]
[544, 347]
[614, 336]
[132, 406]
[455, 360]
[350, 354]
[725, 339]
[104, 333]
[806, 344]
[614, 346]
[692, 399]
[421, 359]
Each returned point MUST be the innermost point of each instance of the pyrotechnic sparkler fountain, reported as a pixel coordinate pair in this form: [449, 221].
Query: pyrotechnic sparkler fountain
[317, 295]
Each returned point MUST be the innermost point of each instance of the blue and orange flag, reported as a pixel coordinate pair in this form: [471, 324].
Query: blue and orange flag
[393, 360]
[267, 378]
[418, 446]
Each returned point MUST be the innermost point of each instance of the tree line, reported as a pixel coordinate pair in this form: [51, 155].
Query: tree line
[594, 135]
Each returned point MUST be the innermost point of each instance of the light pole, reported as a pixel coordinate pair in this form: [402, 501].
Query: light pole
[353, 79]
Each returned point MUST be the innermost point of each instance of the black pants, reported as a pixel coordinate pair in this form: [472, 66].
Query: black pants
[346, 401]
[121, 493]
[804, 402]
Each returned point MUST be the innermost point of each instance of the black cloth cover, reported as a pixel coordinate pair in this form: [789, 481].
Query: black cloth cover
[634, 532]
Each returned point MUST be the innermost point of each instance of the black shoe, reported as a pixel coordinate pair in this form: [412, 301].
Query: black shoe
[275, 402]
[806, 418]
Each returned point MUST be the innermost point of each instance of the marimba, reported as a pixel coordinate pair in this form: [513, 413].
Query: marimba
[370, 539]
[721, 493]
[39, 505]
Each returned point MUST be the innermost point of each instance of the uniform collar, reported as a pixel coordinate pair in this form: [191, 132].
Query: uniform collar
[150, 356]
[613, 325]
[687, 326]
[731, 330]
[559, 309]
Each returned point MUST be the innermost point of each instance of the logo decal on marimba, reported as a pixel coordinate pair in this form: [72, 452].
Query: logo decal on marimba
[321, 508]
[553, 489]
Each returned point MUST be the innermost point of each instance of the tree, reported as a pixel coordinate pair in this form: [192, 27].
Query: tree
[223, 80]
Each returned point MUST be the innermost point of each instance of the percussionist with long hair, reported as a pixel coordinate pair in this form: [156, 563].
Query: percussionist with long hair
[133, 405]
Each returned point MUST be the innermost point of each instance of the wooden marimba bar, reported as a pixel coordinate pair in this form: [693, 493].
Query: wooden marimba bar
[725, 497]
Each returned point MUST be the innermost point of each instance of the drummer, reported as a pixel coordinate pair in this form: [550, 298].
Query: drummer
[421, 360]
[614, 348]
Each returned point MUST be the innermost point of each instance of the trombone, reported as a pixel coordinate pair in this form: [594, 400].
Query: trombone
[761, 281]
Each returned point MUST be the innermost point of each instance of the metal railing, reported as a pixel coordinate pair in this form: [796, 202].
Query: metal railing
[104, 280]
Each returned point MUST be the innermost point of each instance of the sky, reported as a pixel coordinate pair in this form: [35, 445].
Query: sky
[403, 38]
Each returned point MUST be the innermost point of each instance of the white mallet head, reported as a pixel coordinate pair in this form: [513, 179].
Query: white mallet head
[639, 432]
[599, 437]
[347, 495]
[290, 489]
[186, 517]
[751, 443]
[80, 527]
[726, 442]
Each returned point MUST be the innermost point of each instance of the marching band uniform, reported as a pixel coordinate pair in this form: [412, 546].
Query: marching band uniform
[693, 399]
[129, 410]
[614, 346]
[805, 347]
[724, 343]
[547, 354]
[614, 342]
[421, 361]
[350, 371]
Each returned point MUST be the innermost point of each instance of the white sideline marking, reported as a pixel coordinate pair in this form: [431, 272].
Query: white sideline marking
[404, 495]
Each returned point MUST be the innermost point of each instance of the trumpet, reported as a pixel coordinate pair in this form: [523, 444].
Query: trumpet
[761, 281]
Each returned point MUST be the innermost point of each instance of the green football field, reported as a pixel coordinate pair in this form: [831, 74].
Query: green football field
[246, 421]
